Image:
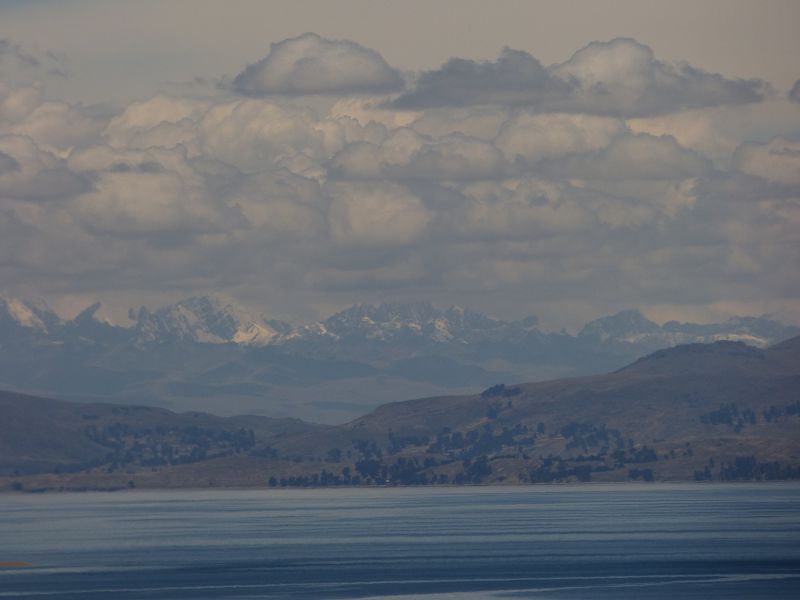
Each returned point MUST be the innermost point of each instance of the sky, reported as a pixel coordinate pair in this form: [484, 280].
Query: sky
[562, 159]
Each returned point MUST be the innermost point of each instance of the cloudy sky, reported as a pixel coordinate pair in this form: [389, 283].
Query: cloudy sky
[563, 159]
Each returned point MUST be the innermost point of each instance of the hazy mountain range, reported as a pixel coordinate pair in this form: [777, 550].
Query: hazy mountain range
[207, 353]
[722, 411]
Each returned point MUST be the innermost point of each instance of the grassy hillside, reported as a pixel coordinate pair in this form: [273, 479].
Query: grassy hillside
[721, 411]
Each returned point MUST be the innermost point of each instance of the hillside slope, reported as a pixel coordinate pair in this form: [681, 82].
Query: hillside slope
[722, 411]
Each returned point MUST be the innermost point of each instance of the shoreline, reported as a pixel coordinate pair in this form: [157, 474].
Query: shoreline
[370, 488]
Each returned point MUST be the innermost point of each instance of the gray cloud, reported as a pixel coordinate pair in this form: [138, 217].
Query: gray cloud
[794, 93]
[8, 164]
[310, 64]
[515, 78]
[22, 57]
[617, 78]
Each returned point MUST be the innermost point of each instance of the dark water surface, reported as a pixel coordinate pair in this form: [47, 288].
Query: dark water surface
[551, 542]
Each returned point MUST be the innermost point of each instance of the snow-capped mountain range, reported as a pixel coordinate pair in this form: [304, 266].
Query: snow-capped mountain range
[207, 353]
[215, 320]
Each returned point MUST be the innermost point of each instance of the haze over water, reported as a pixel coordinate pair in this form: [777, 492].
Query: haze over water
[596, 541]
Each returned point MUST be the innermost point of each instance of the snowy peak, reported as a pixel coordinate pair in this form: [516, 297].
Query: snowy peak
[202, 319]
[417, 327]
[24, 314]
[757, 331]
[633, 327]
[625, 326]
[419, 321]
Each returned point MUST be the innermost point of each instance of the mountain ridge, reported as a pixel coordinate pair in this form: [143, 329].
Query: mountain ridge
[209, 354]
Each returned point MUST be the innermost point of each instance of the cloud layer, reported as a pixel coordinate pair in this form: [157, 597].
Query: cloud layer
[569, 191]
[617, 78]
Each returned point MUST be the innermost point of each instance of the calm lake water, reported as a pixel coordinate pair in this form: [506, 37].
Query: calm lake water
[553, 542]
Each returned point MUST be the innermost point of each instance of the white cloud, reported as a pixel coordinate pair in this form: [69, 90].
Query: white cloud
[534, 137]
[717, 132]
[35, 174]
[516, 209]
[376, 214]
[252, 135]
[405, 154]
[150, 194]
[310, 64]
[776, 161]
[633, 157]
[280, 204]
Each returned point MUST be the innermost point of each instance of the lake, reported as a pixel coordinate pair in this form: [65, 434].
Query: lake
[547, 542]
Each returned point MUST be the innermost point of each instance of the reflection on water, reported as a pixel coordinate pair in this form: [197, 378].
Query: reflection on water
[616, 541]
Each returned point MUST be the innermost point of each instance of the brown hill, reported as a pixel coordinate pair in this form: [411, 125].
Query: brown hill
[722, 411]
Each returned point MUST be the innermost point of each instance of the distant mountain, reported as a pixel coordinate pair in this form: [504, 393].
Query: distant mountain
[208, 353]
[628, 326]
[632, 327]
[723, 411]
[26, 317]
[204, 320]
[411, 329]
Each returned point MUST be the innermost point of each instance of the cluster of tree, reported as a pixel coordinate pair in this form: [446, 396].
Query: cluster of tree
[166, 445]
[729, 414]
[367, 449]
[482, 440]
[643, 454]
[500, 390]
[774, 413]
[396, 444]
[641, 474]
[475, 471]
[555, 469]
[588, 435]
[747, 468]
[403, 471]
[323, 479]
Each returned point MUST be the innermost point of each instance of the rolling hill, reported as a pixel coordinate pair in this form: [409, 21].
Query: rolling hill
[720, 411]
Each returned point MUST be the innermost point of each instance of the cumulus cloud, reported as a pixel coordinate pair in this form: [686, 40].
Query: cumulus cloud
[532, 137]
[280, 204]
[376, 214]
[549, 192]
[521, 209]
[151, 194]
[515, 78]
[55, 126]
[252, 135]
[632, 157]
[32, 173]
[310, 64]
[776, 161]
[405, 154]
[717, 132]
[624, 77]
[621, 77]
